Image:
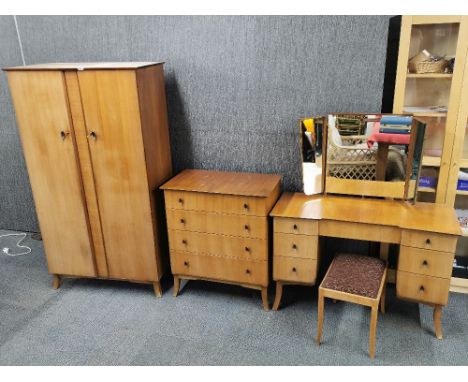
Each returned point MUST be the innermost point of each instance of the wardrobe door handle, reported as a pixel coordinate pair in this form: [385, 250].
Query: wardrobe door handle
[64, 134]
[92, 135]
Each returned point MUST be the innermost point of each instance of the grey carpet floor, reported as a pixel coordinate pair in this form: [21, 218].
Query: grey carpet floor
[96, 322]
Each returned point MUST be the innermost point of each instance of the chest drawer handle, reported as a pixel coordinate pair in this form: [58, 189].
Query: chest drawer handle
[421, 289]
[181, 201]
[295, 227]
[246, 227]
[186, 263]
[428, 241]
[64, 134]
[184, 242]
[294, 269]
[294, 246]
[425, 263]
[182, 221]
[247, 249]
[247, 271]
[246, 206]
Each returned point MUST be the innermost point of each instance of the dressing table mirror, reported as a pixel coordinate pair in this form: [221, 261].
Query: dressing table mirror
[375, 155]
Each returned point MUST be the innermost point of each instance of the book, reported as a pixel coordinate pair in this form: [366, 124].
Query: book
[396, 120]
[396, 127]
[394, 131]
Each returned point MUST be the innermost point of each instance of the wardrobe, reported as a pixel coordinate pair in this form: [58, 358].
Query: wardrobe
[96, 143]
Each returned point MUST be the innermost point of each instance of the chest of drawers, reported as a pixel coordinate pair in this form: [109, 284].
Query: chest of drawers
[218, 227]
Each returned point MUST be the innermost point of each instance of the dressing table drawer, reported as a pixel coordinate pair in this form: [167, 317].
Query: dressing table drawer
[426, 240]
[219, 203]
[217, 268]
[296, 226]
[292, 269]
[426, 262]
[209, 222]
[421, 288]
[222, 246]
[301, 246]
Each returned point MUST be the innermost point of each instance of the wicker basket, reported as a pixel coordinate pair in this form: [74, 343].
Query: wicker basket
[428, 66]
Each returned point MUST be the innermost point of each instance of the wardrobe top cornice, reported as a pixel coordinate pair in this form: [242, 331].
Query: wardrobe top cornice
[84, 66]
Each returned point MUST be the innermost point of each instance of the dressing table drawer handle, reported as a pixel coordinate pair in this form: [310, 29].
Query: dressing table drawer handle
[294, 246]
[425, 263]
[294, 269]
[247, 249]
[247, 271]
[184, 242]
[246, 206]
[295, 227]
[182, 221]
[246, 227]
[181, 201]
[421, 289]
[428, 241]
[186, 263]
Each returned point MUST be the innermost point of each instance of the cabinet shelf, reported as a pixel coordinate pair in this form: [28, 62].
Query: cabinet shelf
[426, 189]
[430, 161]
[430, 75]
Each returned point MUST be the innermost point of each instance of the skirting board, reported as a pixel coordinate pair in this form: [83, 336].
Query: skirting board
[459, 285]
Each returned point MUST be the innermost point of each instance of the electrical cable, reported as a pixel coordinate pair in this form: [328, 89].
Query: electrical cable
[6, 250]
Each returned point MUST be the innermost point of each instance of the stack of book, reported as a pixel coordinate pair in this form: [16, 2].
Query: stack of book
[393, 124]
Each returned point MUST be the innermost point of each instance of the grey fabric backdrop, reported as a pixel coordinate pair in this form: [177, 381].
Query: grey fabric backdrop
[236, 85]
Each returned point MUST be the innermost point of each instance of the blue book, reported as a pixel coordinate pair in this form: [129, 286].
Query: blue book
[394, 131]
[396, 120]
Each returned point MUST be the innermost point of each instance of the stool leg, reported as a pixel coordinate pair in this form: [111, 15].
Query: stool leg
[279, 294]
[176, 286]
[373, 327]
[382, 299]
[321, 306]
[266, 305]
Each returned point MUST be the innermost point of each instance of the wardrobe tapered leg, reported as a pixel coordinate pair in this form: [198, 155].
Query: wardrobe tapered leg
[157, 289]
[279, 294]
[56, 281]
[266, 305]
[321, 306]
[176, 286]
[437, 321]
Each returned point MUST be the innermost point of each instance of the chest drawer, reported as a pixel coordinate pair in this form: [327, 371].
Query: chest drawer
[218, 268]
[426, 240]
[425, 262]
[233, 225]
[422, 288]
[296, 226]
[206, 202]
[301, 246]
[295, 269]
[224, 246]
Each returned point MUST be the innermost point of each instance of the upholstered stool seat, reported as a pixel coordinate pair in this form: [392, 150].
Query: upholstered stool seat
[357, 279]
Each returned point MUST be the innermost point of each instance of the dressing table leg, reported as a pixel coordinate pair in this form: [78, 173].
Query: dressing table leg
[56, 281]
[321, 305]
[266, 305]
[157, 289]
[382, 298]
[437, 321]
[176, 285]
[279, 294]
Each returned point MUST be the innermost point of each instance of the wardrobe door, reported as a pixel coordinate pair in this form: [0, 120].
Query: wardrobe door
[46, 131]
[112, 114]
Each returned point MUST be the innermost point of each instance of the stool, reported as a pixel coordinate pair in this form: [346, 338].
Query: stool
[357, 279]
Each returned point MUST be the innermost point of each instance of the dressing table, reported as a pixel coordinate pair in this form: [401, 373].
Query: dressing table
[427, 234]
